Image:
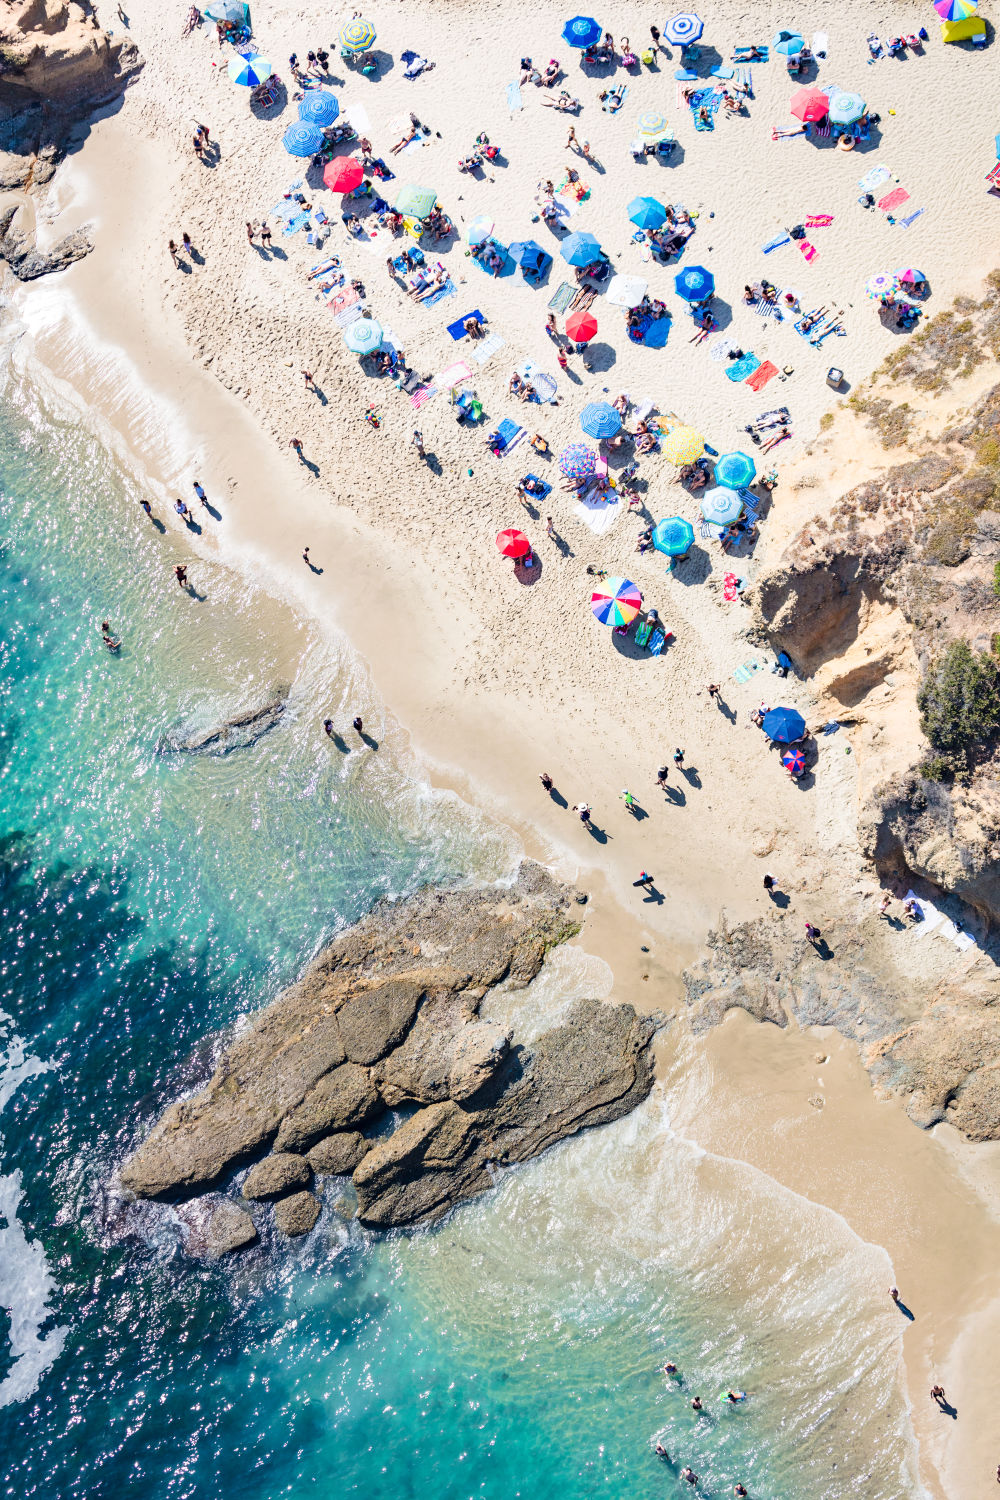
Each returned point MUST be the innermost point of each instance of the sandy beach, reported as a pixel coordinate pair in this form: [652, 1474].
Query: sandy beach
[493, 676]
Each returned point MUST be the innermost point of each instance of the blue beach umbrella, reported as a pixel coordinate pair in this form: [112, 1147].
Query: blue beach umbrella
[363, 336]
[228, 10]
[600, 420]
[721, 506]
[582, 31]
[735, 470]
[580, 248]
[318, 108]
[526, 253]
[683, 28]
[845, 108]
[674, 536]
[249, 71]
[786, 725]
[357, 36]
[694, 284]
[479, 230]
[788, 43]
[577, 461]
[302, 139]
[647, 213]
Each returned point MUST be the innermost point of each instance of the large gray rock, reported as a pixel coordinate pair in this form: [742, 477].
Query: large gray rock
[338, 1155]
[341, 1099]
[297, 1214]
[277, 1175]
[19, 250]
[238, 732]
[230, 1228]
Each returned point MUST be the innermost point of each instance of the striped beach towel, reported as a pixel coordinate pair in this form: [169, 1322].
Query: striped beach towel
[487, 348]
[562, 297]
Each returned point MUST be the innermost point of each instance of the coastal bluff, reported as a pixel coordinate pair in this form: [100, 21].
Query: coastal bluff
[387, 1018]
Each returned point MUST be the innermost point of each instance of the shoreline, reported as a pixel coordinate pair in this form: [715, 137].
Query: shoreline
[506, 748]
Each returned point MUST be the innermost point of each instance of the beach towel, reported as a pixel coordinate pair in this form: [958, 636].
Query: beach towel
[775, 243]
[657, 333]
[747, 670]
[421, 138]
[741, 368]
[765, 372]
[910, 218]
[818, 221]
[964, 941]
[642, 634]
[700, 124]
[767, 309]
[722, 71]
[545, 385]
[487, 348]
[457, 329]
[749, 47]
[343, 299]
[893, 200]
[514, 100]
[447, 289]
[545, 490]
[422, 396]
[723, 346]
[294, 225]
[453, 375]
[874, 178]
[809, 251]
[509, 434]
[599, 515]
[658, 642]
[820, 44]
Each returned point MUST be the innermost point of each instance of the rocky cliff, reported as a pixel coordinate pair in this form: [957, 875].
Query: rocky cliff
[388, 1018]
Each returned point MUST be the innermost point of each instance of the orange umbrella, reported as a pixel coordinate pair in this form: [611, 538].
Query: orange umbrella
[343, 175]
[513, 543]
[809, 105]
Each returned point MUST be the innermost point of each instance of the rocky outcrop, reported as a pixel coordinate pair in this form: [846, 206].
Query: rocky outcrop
[239, 732]
[229, 1229]
[296, 1214]
[19, 250]
[388, 1016]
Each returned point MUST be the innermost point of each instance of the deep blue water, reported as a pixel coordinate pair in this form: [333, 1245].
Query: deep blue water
[150, 900]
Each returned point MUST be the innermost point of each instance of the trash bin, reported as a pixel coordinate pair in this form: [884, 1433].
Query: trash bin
[835, 377]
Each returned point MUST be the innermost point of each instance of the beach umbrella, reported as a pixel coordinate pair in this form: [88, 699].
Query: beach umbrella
[227, 10]
[416, 202]
[694, 284]
[786, 725]
[909, 273]
[577, 461]
[582, 31]
[513, 543]
[674, 536]
[249, 71]
[479, 230]
[343, 174]
[794, 762]
[363, 336]
[955, 10]
[581, 327]
[319, 108]
[735, 470]
[302, 139]
[882, 285]
[526, 253]
[809, 105]
[646, 213]
[600, 420]
[357, 36]
[788, 43]
[625, 291]
[683, 28]
[682, 445]
[617, 601]
[845, 108]
[651, 125]
[721, 506]
[580, 249]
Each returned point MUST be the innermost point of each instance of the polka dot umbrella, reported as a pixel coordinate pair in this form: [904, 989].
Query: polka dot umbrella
[682, 445]
[577, 461]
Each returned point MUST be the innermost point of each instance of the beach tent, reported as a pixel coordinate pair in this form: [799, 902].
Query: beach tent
[647, 213]
[302, 139]
[721, 507]
[809, 105]
[249, 71]
[527, 254]
[343, 175]
[577, 461]
[581, 327]
[626, 291]
[674, 536]
[964, 31]
[694, 284]
[680, 444]
[318, 108]
[788, 43]
[581, 31]
[513, 543]
[580, 248]
[357, 36]
[683, 28]
[735, 470]
[617, 601]
[652, 126]
[599, 419]
[363, 336]
[845, 108]
[228, 10]
[415, 202]
[786, 725]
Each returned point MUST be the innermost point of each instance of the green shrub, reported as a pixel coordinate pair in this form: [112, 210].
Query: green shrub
[938, 768]
[959, 701]
[996, 578]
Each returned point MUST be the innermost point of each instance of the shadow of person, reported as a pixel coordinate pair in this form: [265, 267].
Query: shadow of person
[182, 265]
[690, 774]
[197, 257]
[675, 795]
[726, 711]
[780, 899]
[313, 567]
[638, 812]
[215, 514]
[193, 593]
[558, 798]
[310, 465]
[532, 512]
[562, 546]
[369, 740]
[906, 1311]
[340, 742]
[158, 525]
[434, 464]
[528, 576]
[653, 895]
[946, 1407]
[192, 525]
[597, 834]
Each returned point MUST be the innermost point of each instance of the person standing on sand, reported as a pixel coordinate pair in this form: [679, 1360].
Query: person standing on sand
[714, 691]
[583, 808]
[883, 906]
[265, 234]
[173, 252]
[417, 441]
[187, 243]
[938, 1395]
[305, 558]
[199, 491]
[296, 443]
[769, 882]
[550, 529]
[812, 933]
[146, 505]
[357, 724]
[561, 360]
[654, 33]
[571, 138]
[199, 146]
[678, 758]
[310, 383]
[250, 232]
[546, 781]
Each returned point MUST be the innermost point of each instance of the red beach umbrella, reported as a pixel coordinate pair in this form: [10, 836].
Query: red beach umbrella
[581, 327]
[343, 174]
[513, 543]
[809, 104]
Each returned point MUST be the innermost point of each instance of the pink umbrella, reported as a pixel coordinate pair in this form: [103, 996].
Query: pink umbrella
[809, 105]
[343, 175]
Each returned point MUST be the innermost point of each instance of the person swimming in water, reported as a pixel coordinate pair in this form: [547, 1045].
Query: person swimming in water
[668, 1368]
[661, 1452]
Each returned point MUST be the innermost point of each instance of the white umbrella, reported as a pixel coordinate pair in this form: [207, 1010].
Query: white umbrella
[626, 291]
[721, 506]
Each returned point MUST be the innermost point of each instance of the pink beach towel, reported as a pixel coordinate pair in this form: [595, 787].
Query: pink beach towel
[809, 251]
[761, 376]
[893, 200]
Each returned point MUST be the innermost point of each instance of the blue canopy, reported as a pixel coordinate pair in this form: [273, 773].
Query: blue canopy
[580, 248]
[694, 284]
[786, 725]
[302, 139]
[735, 470]
[249, 69]
[647, 213]
[788, 43]
[319, 108]
[582, 31]
[600, 420]
[527, 254]
[674, 536]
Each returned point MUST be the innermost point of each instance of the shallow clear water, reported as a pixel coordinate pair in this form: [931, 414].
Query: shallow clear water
[149, 900]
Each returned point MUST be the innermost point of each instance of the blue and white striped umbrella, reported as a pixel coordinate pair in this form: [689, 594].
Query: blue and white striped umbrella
[357, 36]
[249, 71]
[363, 336]
[301, 139]
[722, 507]
[319, 108]
[735, 470]
[845, 108]
[683, 28]
[600, 420]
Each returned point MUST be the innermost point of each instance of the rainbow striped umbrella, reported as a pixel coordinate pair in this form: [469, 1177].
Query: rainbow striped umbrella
[617, 601]
[249, 71]
[682, 445]
[955, 10]
[577, 461]
[357, 36]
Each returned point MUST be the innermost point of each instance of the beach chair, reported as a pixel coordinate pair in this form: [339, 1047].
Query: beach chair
[642, 634]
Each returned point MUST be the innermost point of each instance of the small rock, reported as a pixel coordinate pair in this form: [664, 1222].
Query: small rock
[230, 1228]
[337, 1155]
[277, 1175]
[817, 1101]
[296, 1214]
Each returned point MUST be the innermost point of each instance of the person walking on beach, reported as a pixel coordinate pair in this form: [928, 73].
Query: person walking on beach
[645, 879]
[571, 138]
[714, 691]
[654, 33]
[181, 574]
[550, 529]
[296, 443]
[546, 781]
[265, 234]
[310, 383]
[938, 1395]
[628, 799]
[199, 491]
[417, 441]
[186, 242]
[661, 776]
[146, 505]
[199, 146]
[562, 360]
[357, 724]
[552, 329]
[173, 252]
[812, 933]
[678, 758]
[305, 557]
[583, 808]
[328, 726]
[183, 511]
[769, 882]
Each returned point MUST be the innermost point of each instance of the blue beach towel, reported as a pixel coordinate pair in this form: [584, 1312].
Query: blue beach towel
[723, 71]
[457, 329]
[543, 492]
[741, 368]
[657, 643]
[514, 100]
[447, 290]
[507, 431]
[657, 333]
[776, 243]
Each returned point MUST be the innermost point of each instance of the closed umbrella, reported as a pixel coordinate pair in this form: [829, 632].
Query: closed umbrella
[577, 461]
[415, 202]
[227, 10]
[683, 28]
[735, 470]
[363, 336]
[302, 139]
[580, 249]
[788, 43]
[647, 213]
[682, 445]
[674, 536]
[722, 507]
[357, 36]
[845, 108]
[600, 420]
[249, 71]
[652, 126]
[581, 327]
[582, 31]
[617, 601]
[881, 285]
[809, 105]
[319, 108]
[513, 543]
[626, 291]
[694, 284]
[786, 725]
[343, 174]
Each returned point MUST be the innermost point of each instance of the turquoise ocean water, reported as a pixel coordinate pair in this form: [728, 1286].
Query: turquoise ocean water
[150, 900]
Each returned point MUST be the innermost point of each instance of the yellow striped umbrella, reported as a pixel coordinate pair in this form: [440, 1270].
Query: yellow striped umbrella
[357, 36]
[682, 445]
